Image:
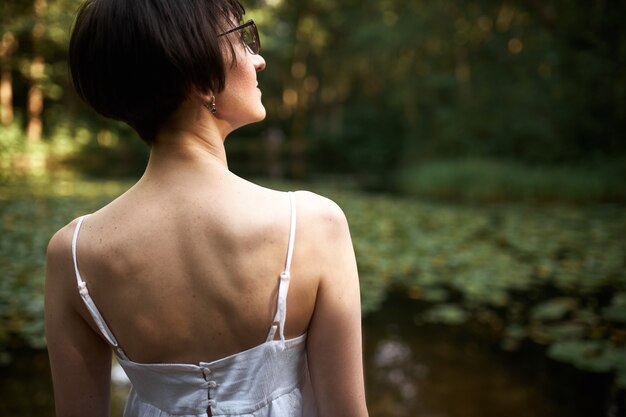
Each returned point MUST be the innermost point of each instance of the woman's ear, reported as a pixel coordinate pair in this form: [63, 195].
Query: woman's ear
[205, 98]
[210, 105]
[201, 94]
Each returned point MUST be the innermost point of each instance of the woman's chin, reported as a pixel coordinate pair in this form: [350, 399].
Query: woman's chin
[261, 113]
[255, 117]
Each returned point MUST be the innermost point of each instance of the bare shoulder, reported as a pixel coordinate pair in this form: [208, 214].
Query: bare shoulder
[59, 264]
[325, 235]
[322, 214]
[60, 245]
[61, 240]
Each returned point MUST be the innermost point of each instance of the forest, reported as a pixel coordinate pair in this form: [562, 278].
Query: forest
[477, 148]
[385, 91]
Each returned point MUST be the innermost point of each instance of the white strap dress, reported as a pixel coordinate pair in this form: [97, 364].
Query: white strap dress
[269, 380]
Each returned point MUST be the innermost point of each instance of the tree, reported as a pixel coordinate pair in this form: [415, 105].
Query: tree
[35, 93]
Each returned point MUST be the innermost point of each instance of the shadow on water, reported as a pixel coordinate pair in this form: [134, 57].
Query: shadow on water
[411, 370]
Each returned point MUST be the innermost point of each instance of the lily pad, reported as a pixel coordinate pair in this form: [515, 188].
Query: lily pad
[446, 314]
[554, 309]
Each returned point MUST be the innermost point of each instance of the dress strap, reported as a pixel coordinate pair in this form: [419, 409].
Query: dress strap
[292, 231]
[84, 294]
[285, 276]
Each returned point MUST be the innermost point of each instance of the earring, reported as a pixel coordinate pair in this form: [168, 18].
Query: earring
[211, 106]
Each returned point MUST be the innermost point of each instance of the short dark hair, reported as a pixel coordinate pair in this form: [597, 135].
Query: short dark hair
[138, 60]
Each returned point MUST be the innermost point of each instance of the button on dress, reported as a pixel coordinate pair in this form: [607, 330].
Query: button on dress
[268, 380]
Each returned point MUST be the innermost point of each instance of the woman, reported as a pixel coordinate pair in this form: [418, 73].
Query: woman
[219, 297]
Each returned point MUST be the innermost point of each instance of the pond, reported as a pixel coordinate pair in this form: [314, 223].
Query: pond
[431, 370]
[465, 307]
[411, 370]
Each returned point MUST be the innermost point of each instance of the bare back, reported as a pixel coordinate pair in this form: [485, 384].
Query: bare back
[184, 268]
[191, 274]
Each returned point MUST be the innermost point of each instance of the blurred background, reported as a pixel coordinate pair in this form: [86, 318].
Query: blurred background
[477, 149]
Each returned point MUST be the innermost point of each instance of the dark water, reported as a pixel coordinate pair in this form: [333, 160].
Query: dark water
[460, 371]
[425, 371]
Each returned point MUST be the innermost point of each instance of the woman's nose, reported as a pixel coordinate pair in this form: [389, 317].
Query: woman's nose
[259, 63]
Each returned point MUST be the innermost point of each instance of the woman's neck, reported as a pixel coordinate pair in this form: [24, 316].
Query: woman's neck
[188, 147]
[192, 141]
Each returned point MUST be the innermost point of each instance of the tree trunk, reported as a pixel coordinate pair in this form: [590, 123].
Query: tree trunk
[7, 46]
[35, 101]
[35, 93]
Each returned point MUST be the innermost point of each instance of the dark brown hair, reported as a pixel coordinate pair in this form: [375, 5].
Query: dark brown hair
[137, 60]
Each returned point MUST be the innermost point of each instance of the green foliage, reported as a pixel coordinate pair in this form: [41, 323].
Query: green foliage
[388, 82]
[370, 87]
[19, 157]
[12, 143]
[551, 274]
[616, 311]
[113, 151]
[31, 210]
[535, 272]
[446, 313]
[554, 309]
[593, 356]
[483, 180]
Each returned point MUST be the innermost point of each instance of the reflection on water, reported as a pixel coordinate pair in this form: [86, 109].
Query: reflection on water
[439, 371]
[416, 371]
[394, 368]
[394, 364]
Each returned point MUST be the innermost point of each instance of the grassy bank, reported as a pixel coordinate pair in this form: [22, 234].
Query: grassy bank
[483, 180]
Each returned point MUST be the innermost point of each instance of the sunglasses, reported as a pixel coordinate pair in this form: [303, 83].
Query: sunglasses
[249, 36]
